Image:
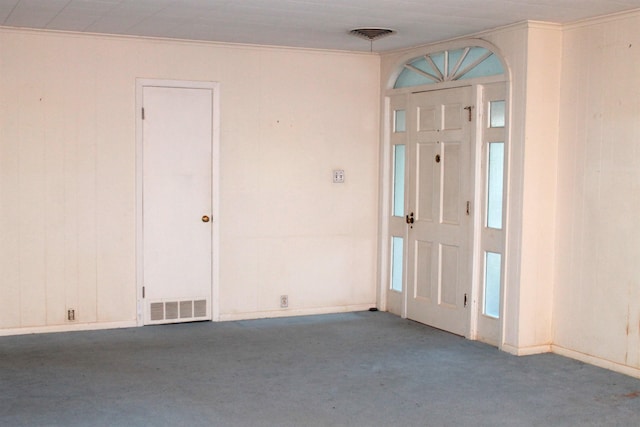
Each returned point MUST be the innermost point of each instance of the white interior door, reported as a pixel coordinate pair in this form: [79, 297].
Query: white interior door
[439, 253]
[177, 203]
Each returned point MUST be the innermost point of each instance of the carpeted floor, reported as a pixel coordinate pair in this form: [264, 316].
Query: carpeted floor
[355, 369]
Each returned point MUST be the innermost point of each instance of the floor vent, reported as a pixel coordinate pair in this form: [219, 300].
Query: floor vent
[200, 308]
[171, 310]
[157, 311]
[177, 311]
[186, 309]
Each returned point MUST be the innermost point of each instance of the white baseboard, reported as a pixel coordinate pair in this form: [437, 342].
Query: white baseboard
[294, 312]
[526, 351]
[71, 327]
[596, 361]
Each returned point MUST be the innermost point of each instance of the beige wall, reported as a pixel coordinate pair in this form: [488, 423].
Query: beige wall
[67, 175]
[534, 168]
[597, 293]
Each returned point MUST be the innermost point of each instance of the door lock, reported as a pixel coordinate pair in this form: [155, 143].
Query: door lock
[410, 219]
[205, 218]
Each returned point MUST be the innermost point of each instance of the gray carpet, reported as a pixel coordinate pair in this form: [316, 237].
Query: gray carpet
[356, 369]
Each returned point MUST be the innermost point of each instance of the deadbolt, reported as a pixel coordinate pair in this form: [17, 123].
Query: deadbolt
[437, 158]
[205, 218]
[410, 219]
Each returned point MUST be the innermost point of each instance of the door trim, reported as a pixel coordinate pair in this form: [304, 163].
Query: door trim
[393, 301]
[215, 189]
[399, 300]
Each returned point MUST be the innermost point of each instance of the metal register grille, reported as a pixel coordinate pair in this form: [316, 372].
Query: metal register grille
[178, 310]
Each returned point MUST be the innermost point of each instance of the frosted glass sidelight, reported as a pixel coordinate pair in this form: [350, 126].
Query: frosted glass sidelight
[397, 251]
[398, 180]
[495, 184]
[400, 121]
[492, 268]
[496, 114]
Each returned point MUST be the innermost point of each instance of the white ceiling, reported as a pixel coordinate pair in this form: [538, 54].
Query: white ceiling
[299, 23]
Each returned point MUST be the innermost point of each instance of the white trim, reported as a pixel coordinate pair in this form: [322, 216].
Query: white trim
[187, 42]
[526, 351]
[476, 210]
[384, 201]
[215, 188]
[75, 327]
[602, 19]
[295, 312]
[215, 202]
[596, 361]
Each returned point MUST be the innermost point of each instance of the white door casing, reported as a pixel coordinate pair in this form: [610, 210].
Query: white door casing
[403, 287]
[177, 205]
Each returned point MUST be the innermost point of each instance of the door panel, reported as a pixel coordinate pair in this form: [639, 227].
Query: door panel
[426, 181]
[439, 186]
[451, 191]
[449, 273]
[177, 204]
[424, 270]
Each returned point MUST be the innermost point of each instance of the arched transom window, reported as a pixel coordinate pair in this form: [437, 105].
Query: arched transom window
[449, 65]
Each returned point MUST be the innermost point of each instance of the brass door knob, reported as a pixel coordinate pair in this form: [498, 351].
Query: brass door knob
[205, 218]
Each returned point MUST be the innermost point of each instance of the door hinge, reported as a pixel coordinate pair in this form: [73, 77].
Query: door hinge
[143, 292]
[465, 300]
[469, 108]
[468, 208]
[142, 113]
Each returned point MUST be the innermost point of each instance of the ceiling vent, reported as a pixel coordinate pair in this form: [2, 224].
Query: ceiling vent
[371, 34]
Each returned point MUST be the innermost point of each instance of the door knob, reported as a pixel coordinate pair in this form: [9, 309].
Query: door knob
[410, 219]
[205, 218]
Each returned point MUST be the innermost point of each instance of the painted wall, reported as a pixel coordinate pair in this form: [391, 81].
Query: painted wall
[67, 175]
[537, 151]
[597, 292]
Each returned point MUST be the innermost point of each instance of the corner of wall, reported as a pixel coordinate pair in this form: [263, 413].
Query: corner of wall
[540, 176]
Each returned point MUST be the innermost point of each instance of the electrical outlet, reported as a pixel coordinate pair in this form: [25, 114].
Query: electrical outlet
[71, 315]
[338, 176]
[284, 301]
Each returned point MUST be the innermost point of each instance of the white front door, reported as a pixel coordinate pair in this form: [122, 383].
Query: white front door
[439, 191]
[177, 135]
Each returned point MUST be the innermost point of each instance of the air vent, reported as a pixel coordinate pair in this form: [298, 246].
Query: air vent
[186, 309]
[371, 34]
[171, 310]
[200, 308]
[157, 311]
[178, 311]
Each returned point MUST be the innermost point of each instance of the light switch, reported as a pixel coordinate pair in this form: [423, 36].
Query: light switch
[338, 176]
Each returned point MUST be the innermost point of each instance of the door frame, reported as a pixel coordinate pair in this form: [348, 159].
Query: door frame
[141, 83]
[393, 97]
